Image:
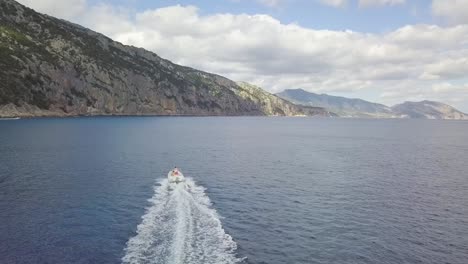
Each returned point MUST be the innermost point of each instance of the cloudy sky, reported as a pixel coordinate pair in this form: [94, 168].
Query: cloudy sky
[388, 51]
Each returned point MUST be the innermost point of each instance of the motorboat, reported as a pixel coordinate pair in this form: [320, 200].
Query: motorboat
[175, 176]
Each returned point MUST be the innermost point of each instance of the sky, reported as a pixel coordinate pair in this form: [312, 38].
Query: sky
[385, 51]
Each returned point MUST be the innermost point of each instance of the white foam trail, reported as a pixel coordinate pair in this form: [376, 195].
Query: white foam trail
[180, 227]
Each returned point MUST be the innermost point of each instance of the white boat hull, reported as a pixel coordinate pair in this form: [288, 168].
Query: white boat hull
[175, 177]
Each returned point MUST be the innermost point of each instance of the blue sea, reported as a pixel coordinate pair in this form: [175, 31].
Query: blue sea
[259, 190]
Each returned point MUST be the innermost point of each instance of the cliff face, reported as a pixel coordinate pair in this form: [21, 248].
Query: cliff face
[50, 67]
[274, 105]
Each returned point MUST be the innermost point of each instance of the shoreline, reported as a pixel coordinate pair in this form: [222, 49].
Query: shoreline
[11, 118]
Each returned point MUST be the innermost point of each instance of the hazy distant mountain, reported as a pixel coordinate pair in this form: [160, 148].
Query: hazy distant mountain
[346, 107]
[50, 67]
[341, 105]
[429, 110]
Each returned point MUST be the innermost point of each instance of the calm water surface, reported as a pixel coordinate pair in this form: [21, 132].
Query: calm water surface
[287, 190]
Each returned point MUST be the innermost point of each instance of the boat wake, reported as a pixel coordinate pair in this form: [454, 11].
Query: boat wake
[179, 227]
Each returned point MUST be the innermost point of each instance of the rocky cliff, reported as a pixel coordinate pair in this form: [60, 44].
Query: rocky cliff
[274, 105]
[50, 67]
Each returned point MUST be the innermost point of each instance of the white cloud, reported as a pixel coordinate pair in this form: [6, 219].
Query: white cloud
[450, 68]
[453, 11]
[453, 94]
[69, 9]
[449, 87]
[368, 3]
[405, 64]
[363, 3]
[108, 19]
[335, 3]
[430, 37]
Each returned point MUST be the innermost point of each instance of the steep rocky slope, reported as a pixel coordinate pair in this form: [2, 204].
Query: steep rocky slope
[274, 105]
[50, 67]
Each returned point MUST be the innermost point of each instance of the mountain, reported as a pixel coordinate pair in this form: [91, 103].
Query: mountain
[346, 107]
[50, 67]
[429, 110]
[272, 104]
[343, 106]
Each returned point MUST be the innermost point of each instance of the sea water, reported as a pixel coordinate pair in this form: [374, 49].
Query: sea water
[263, 190]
